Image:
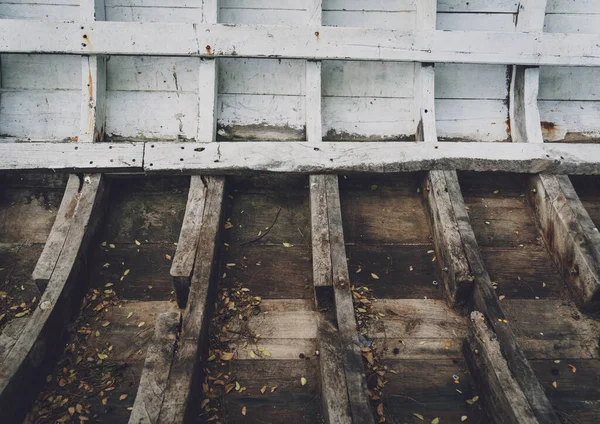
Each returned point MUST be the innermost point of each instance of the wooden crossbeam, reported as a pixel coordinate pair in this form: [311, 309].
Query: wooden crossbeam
[39, 341]
[315, 43]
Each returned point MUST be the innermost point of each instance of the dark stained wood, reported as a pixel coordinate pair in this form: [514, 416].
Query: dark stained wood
[457, 277]
[570, 235]
[178, 403]
[503, 398]
[486, 301]
[156, 369]
[183, 261]
[39, 341]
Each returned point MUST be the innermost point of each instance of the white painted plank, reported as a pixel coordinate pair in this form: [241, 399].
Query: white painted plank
[476, 22]
[40, 72]
[152, 3]
[93, 98]
[493, 6]
[314, 125]
[271, 16]
[371, 5]
[168, 39]
[458, 81]
[240, 109]
[476, 120]
[262, 76]
[39, 11]
[523, 108]
[370, 19]
[568, 83]
[573, 6]
[368, 117]
[150, 14]
[40, 115]
[531, 15]
[127, 115]
[128, 73]
[263, 4]
[583, 24]
[339, 157]
[570, 120]
[46, 2]
[368, 79]
[425, 104]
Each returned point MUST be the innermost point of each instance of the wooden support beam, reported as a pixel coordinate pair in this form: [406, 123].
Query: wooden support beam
[93, 80]
[312, 43]
[25, 362]
[486, 301]
[571, 235]
[503, 396]
[181, 394]
[183, 261]
[153, 382]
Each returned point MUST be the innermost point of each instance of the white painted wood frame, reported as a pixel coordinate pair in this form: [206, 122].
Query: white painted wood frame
[344, 43]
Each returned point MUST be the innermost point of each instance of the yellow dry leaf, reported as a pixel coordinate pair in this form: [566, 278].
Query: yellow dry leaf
[303, 381]
[380, 409]
[435, 421]
[102, 356]
[252, 354]
[141, 324]
[273, 389]
[204, 403]
[263, 389]
[501, 297]
[244, 410]
[237, 386]
[129, 315]
[375, 276]
[226, 356]
[137, 242]
[104, 401]
[97, 333]
[229, 388]
[112, 246]
[464, 418]
[126, 272]
[105, 323]
[123, 396]
[228, 225]
[71, 410]
[573, 368]
[288, 245]
[555, 384]
[168, 257]
[419, 416]
[79, 408]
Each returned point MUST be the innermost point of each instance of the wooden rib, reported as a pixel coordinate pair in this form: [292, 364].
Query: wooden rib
[153, 382]
[485, 301]
[503, 397]
[40, 340]
[183, 261]
[570, 234]
[93, 80]
[179, 398]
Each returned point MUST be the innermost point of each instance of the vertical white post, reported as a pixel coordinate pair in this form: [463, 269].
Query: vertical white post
[314, 126]
[93, 79]
[425, 78]
[208, 81]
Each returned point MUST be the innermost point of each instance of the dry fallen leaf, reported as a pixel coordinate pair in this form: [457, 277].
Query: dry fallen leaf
[288, 245]
[243, 410]
[226, 356]
[573, 368]
[126, 272]
[273, 389]
[435, 421]
[419, 416]
[380, 409]
[263, 389]
[555, 384]
[137, 242]
[375, 276]
[141, 324]
[168, 257]
[129, 315]
[464, 418]
[123, 396]
[303, 381]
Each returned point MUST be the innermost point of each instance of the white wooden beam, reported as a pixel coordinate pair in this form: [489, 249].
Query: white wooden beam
[425, 78]
[317, 43]
[93, 80]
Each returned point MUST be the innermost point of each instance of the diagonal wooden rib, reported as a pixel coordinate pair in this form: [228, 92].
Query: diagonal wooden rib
[40, 339]
[180, 395]
[153, 382]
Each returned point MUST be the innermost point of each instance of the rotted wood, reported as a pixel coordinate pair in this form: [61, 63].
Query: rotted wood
[485, 300]
[185, 255]
[571, 235]
[449, 246]
[181, 394]
[24, 362]
[153, 382]
[503, 396]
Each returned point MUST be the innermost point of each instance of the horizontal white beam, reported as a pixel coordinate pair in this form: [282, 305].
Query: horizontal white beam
[228, 158]
[320, 43]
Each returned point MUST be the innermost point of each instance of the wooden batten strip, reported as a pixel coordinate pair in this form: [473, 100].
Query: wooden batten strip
[485, 300]
[39, 342]
[155, 375]
[183, 261]
[503, 396]
[571, 235]
[291, 42]
[182, 392]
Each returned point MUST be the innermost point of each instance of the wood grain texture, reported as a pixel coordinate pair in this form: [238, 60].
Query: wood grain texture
[178, 398]
[503, 397]
[153, 382]
[570, 233]
[39, 341]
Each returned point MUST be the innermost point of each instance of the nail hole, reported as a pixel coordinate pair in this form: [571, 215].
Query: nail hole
[133, 160]
[199, 149]
[84, 35]
[216, 160]
[76, 147]
[111, 160]
[426, 111]
[181, 159]
[330, 160]
[91, 162]
[317, 149]
[110, 147]
[151, 164]
[81, 27]
[182, 148]
[83, 44]
[152, 145]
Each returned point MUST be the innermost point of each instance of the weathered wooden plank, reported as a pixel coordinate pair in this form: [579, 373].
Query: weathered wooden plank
[472, 119]
[179, 396]
[71, 157]
[60, 230]
[153, 383]
[321, 248]
[523, 111]
[379, 157]
[503, 397]
[571, 235]
[185, 255]
[170, 39]
[485, 300]
[39, 341]
[344, 308]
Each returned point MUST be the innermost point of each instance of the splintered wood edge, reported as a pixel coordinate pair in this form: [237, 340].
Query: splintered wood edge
[183, 383]
[571, 235]
[157, 366]
[503, 396]
[34, 347]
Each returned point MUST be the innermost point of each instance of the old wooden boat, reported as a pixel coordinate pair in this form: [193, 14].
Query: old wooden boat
[277, 211]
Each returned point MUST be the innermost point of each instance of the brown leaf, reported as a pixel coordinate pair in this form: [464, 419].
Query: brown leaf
[573, 368]
[263, 389]
[244, 410]
[123, 396]
[229, 388]
[226, 356]
[380, 409]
